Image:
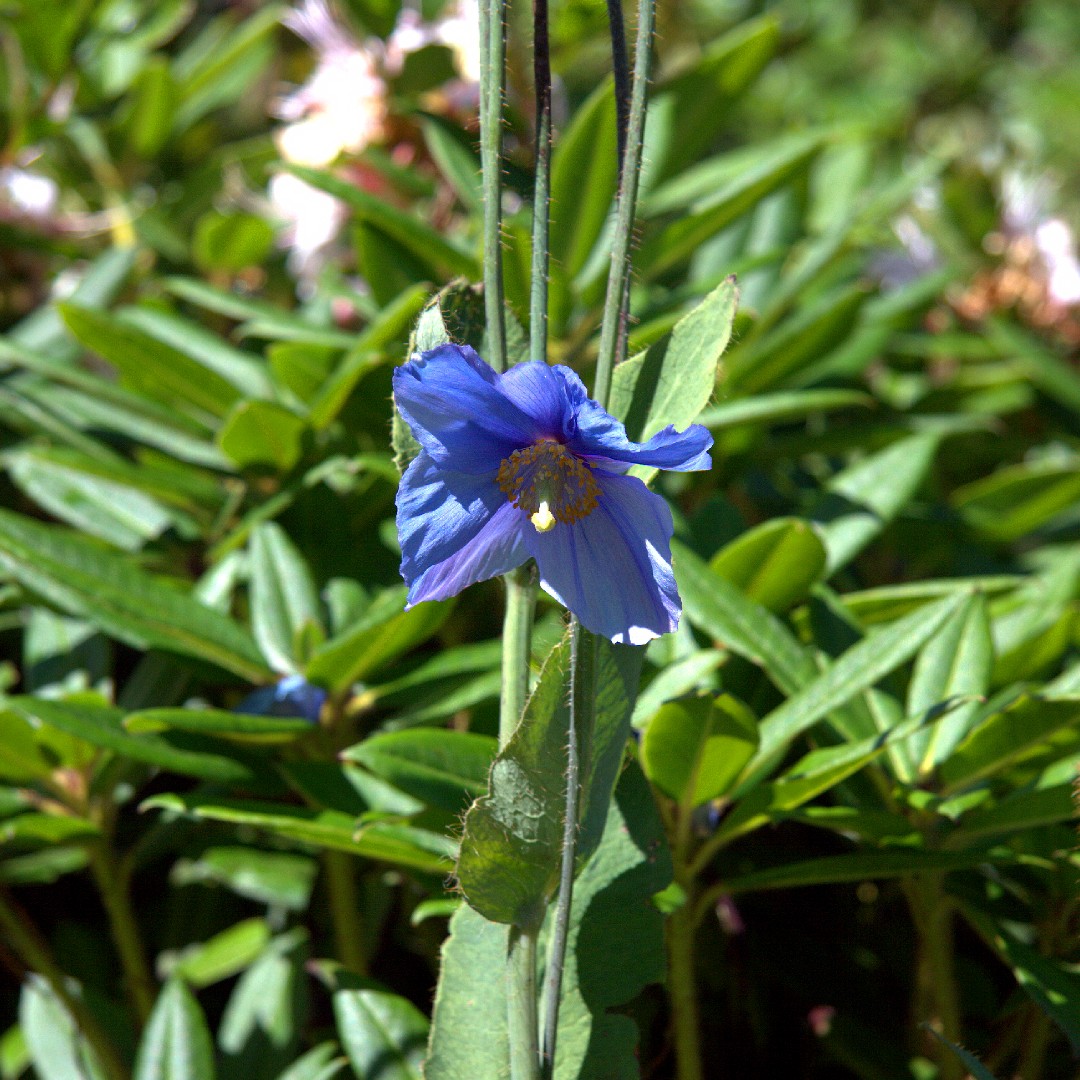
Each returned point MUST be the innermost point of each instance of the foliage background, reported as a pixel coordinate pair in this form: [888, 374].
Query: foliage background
[872, 829]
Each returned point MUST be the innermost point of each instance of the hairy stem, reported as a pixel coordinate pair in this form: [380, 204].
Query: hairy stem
[516, 647]
[581, 717]
[492, 78]
[344, 896]
[112, 884]
[620, 66]
[538, 301]
[24, 938]
[613, 331]
[521, 1005]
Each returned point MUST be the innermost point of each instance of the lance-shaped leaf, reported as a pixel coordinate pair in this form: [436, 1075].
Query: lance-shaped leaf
[956, 662]
[383, 1034]
[82, 580]
[284, 600]
[176, 1044]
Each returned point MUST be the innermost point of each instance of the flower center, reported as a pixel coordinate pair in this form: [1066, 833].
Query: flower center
[547, 482]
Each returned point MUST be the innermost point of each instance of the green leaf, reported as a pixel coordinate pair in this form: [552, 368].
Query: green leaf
[1006, 737]
[862, 499]
[150, 367]
[1017, 500]
[231, 242]
[693, 750]
[43, 867]
[320, 1063]
[57, 1049]
[400, 845]
[237, 727]
[262, 434]
[783, 405]
[176, 1043]
[773, 564]
[220, 957]
[284, 600]
[717, 192]
[44, 332]
[429, 247]
[674, 680]
[243, 370]
[510, 853]
[781, 356]
[739, 624]
[956, 662]
[700, 99]
[113, 512]
[674, 379]
[223, 60]
[383, 1034]
[1054, 987]
[154, 100]
[469, 1034]
[274, 878]
[1018, 812]
[102, 726]
[108, 591]
[45, 829]
[583, 178]
[612, 916]
[455, 159]
[447, 769]
[508, 865]
[382, 635]
[855, 671]
[264, 1016]
[834, 869]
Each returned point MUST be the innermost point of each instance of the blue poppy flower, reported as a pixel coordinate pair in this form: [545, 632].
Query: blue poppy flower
[291, 696]
[525, 465]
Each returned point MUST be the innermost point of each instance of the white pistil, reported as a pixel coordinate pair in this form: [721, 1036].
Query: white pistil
[543, 520]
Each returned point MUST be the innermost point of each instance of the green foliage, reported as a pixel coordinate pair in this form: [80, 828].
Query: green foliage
[858, 752]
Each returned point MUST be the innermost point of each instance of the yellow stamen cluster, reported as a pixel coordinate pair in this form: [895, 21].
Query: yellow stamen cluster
[547, 482]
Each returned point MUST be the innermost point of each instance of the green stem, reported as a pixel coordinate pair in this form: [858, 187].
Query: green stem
[937, 999]
[517, 645]
[492, 77]
[581, 719]
[620, 67]
[112, 884]
[613, 331]
[538, 302]
[1036, 1037]
[23, 937]
[344, 897]
[682, 990]
[521, 1005]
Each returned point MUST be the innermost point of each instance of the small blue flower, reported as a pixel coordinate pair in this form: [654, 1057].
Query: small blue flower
[525, 465]
[291, 696]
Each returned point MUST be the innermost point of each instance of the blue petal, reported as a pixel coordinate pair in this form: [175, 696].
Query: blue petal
[539, 390]
[600, 436]
[439, 512]
[495, 549]
[452, 402]
[612, 569]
